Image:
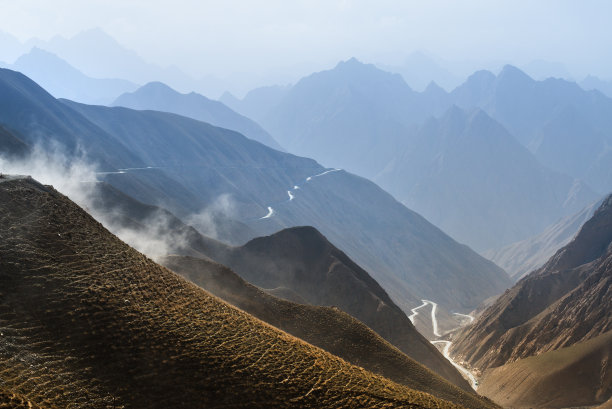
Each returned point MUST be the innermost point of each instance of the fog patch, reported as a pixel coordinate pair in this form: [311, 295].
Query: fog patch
[155, 235]
[69, 175]
[209, 219]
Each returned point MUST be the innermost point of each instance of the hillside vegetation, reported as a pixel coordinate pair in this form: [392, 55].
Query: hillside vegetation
[86, 321]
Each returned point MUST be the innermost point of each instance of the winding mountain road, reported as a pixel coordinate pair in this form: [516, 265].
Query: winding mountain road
[447, 344]
[270, 213]
[415, 311]
[465, 315]
[125, 170]
[291, 194]
[464, 371]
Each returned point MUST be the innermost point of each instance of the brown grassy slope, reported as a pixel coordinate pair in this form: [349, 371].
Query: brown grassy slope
[303, 260]
[580, 375]
[326, 327]
[86, 321]
[567, 301]
[10, 400]
[297, 263]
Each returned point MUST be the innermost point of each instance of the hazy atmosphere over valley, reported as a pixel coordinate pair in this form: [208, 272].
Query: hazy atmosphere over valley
[307, 204]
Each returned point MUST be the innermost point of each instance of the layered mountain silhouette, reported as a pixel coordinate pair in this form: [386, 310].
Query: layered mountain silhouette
[420, 69]
[326, 327]
[564, 304]
[368, 121]
[187, 165]
[301, 265]
[98, 324]
[468, 175]
[591, 83]
[566, 127]
[159, 97]
[258, 102]
[64, 81]
[354, 116]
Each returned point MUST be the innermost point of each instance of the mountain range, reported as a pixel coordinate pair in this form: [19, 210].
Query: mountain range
[64, 81]
[566, 128]
[425, 153]
[156, 96]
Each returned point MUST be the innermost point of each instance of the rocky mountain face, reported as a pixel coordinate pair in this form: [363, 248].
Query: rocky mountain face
[160, 97]
[192, 167]
[566, 301]
[99, 324]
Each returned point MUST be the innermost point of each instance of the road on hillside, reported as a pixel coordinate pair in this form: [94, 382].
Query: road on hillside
[291, 193]
[447, 344]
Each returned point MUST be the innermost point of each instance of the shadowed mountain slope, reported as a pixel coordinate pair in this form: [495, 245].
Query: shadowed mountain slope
[160, 97]
[101, 325]
[566, 301]
[298, 264]
[326, 327]
[39, 118]
[302, 260]
[575, 376]
[12, 145]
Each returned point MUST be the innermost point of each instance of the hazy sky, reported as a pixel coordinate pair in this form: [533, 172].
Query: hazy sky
[213, 37]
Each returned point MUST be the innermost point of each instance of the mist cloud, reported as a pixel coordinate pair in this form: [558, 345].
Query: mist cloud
[76, 178]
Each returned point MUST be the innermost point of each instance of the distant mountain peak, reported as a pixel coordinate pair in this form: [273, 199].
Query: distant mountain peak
[481, 76]
[513, 73]
[157, 85]
[351, 61]
[434, 89]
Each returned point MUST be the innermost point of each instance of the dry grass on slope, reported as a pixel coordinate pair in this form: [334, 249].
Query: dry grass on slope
[326, 327]
[86, 321]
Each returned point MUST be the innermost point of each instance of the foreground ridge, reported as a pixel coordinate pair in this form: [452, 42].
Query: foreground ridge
[87, 321]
